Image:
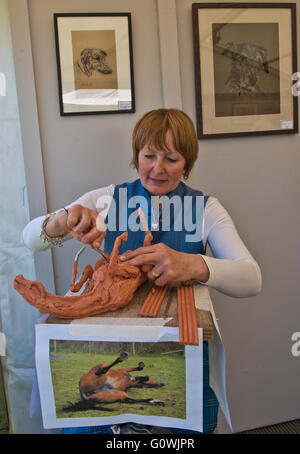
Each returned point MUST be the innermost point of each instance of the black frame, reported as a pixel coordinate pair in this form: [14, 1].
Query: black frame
[59, 69]
[199, 89]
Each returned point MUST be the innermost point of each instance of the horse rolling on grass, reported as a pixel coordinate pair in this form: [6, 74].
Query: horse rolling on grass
[104, 385]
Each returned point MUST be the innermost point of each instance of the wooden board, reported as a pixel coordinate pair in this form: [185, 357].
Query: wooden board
[204, 318]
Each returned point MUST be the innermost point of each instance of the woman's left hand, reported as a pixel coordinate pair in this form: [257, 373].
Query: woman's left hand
[165, 265]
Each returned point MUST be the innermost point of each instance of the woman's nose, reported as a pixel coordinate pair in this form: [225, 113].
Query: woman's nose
[158, 166]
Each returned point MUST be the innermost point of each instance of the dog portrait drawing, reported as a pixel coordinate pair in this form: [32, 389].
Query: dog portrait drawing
[93, 60]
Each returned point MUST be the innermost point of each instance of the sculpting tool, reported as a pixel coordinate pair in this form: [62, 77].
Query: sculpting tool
[102, 253]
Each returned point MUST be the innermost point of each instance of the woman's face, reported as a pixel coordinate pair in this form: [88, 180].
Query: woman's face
[160, 171]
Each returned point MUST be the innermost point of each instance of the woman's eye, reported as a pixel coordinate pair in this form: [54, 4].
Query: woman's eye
[148, 156]
[172, 160]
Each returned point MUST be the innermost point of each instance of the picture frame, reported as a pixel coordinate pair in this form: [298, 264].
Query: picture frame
[94, 63]
[245, 69]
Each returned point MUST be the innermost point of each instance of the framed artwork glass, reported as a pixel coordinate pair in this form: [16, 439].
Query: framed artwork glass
[94, 63]
[245, 59]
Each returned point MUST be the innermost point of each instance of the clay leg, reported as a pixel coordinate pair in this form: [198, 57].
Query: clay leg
[148, 235]
[115, 252]
[117, 269]
[148, 238]
[86, 274]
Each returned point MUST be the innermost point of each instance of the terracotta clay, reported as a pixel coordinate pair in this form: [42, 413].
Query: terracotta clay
[187, 317]
[111, 286]
[153, 301]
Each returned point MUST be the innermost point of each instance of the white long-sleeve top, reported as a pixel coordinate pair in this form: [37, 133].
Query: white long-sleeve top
[232, 269]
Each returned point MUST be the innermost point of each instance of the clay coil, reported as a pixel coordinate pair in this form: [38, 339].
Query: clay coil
[152, 295]
[153, 301]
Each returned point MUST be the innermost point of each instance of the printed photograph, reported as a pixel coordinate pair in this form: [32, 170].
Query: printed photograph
[102, 379]
[246, 68]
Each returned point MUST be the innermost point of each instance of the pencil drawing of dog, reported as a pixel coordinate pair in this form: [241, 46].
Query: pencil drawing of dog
[92, 59]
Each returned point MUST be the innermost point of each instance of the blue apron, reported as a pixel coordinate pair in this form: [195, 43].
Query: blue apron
[182, 232]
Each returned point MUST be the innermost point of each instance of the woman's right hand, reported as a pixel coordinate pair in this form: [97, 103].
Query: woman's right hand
[80, 222]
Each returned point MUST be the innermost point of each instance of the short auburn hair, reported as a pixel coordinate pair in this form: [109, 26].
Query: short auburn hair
[152, 128]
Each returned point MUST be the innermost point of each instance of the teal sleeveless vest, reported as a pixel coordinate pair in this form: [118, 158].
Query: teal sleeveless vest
[179, 225]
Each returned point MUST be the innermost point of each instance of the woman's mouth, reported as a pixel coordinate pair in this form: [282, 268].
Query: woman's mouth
[157, 180]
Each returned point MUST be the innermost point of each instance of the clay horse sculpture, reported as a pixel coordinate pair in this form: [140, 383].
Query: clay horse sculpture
[111, 286]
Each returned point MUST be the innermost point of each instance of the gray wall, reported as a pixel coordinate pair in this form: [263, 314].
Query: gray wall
[255, 178]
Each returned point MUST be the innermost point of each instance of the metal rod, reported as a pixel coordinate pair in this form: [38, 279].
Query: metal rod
[97, 250]
[78, 253]
[102, 253]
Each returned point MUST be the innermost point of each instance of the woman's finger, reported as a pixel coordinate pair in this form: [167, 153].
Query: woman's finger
[160, 280]
[155, 272]
[91, 236]
[142, 259]
[82, 219]
[74, 215]
[94, 240]
[98, 241]
[128, 255]
[84, 225]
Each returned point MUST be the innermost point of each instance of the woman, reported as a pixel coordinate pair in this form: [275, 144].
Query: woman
[182, 221]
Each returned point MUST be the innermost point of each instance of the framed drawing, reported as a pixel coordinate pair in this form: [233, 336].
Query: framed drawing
[94, 63]
[245, 57]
